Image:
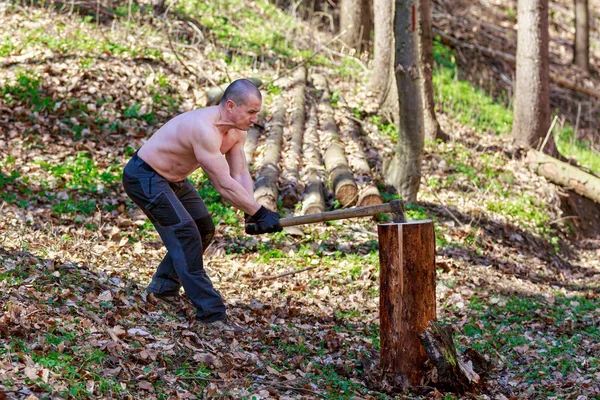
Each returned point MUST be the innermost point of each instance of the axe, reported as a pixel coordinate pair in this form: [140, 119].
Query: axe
[394, 207]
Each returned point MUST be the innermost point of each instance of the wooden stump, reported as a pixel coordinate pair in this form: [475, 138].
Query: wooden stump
[407, 296]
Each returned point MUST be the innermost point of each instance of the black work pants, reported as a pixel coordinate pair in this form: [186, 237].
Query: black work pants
[185, 227]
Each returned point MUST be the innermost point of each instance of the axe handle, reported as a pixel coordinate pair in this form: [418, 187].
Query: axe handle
[354, 212]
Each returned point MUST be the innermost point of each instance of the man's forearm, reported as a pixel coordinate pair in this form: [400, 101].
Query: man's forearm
[236, 194]
[246, 181]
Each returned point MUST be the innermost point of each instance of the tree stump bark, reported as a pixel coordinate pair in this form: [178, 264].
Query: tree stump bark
[291, 174]
[265, 187]
[340, 175]
[407, 297]
[452, 373]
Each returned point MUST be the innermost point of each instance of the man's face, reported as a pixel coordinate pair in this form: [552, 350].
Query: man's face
[245, 115]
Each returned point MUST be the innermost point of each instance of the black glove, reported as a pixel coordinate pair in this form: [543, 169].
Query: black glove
[264, 221]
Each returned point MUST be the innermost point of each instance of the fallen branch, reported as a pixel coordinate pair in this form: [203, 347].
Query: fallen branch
[564, 174]
[271, 277]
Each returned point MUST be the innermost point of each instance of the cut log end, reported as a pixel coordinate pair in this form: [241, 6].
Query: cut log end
[369, 197]
[347, 194]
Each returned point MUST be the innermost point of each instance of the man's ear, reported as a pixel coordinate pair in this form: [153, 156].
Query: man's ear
[229, 105]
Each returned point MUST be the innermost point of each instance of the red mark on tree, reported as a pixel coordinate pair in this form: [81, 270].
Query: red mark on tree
[414, 18]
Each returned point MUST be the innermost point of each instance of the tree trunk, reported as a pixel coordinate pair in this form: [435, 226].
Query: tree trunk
[340, 175]
[532, 91]
[406, 296]
[291, 174]
[384, 43]
[581, 47]
[389, 95]
[265, 187]
[404, 170]
[355, 22]
[312, 201]
[433, 129]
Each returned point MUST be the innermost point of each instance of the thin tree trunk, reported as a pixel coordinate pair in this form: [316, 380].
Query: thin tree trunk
[291, 175]
[342, 180]
[532, 91]
[384, 42]
[265, 187]
[355, 22]
[581, 54]
[404, 170]
[433, 129]
[313, 201]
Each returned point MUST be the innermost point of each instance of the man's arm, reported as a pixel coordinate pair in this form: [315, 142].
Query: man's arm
[239, 167]
[217, 169]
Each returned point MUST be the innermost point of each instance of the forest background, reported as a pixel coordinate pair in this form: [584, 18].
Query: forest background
[84, 83]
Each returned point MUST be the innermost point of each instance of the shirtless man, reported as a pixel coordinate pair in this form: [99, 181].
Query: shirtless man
[210, 138]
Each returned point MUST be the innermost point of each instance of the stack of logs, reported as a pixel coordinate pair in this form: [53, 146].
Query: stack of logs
[304, 148]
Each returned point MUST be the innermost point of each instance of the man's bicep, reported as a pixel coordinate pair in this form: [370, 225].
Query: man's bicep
[216, 168]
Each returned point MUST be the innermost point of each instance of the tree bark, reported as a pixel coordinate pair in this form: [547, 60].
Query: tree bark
[252, 137]
[265, 187]
[384, 43]
[453, 374]
[433, 130]
[406, 296]
[291, 175]
[312, 201]
[565, 175]
[340, 175]
[532, 89]
[581, 47]
[404, 170]
[355, 22]
[357, 159]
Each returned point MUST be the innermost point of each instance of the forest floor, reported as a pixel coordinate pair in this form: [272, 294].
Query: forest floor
[79, 94]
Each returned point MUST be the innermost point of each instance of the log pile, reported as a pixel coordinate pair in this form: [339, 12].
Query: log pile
[303, 149]
[340, 175]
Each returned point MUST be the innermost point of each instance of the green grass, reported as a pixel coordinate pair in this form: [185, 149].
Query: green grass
[473, 107]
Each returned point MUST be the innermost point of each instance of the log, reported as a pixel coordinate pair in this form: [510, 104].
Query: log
[291, 173]
[407, 297]
[313, 201]
[252, 137]
[336, 164]
[564, 174]
[453, 374]
[266, 191]
[368, 194]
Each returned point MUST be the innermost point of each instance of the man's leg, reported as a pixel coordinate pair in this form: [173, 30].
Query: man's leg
[165, 282]
[179, 232]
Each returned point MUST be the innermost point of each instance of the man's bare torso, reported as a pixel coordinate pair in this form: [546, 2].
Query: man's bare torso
[173, 151]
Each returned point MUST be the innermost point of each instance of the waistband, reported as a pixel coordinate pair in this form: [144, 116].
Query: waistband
[136, 159]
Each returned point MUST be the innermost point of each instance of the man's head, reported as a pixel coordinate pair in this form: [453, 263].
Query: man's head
[241, 101]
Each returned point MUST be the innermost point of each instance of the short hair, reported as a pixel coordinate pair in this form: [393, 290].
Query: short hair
[239, 91]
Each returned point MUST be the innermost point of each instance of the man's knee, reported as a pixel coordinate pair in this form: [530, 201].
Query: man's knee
[206, 227]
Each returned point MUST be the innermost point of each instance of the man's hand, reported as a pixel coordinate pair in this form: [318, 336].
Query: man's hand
[264, 221]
